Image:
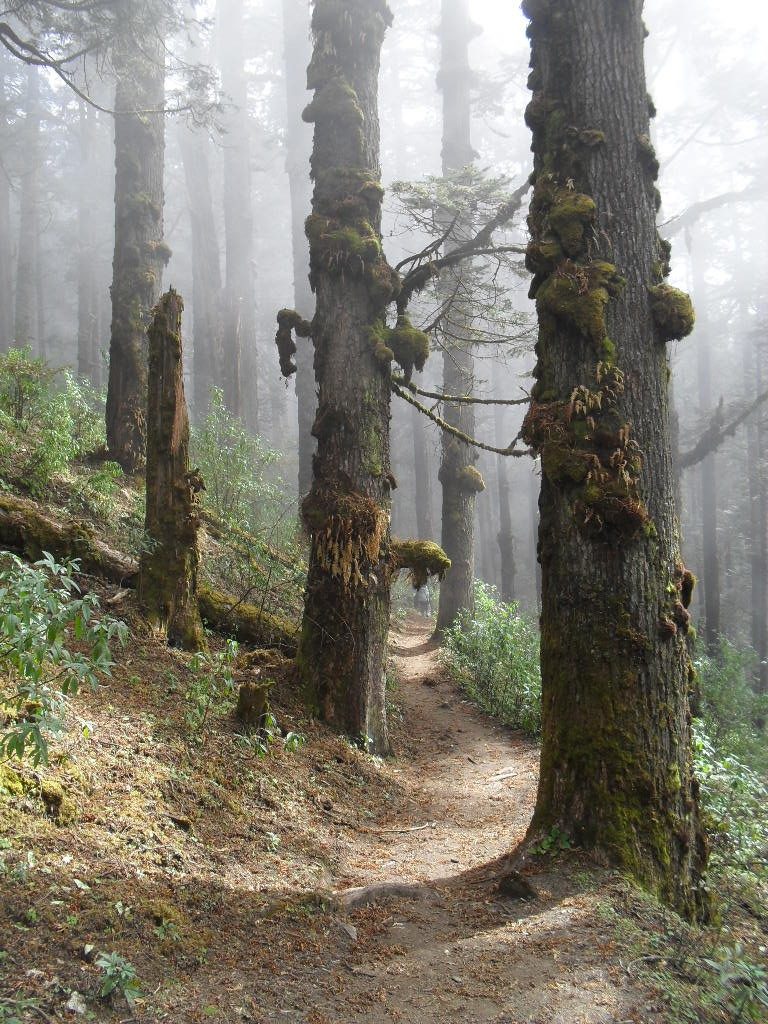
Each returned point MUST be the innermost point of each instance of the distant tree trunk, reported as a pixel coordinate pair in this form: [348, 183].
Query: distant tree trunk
[342, 650]
[140, 253]
[168, 568]
[533, 506]
[458, 476]
[26, 325]
[710, 576]
[239, 292]
[425, 525]
[208, 358]
[506, 539]
[87, 337]
[757, 477]
[298, 144]
[616, 772]
[6, 246]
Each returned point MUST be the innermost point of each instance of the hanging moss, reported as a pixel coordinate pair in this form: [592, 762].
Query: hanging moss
[470, 479]
[687, 584]
[288, 321]
[379, 338]
[672, 311]
[423, 558]
[348, 530]
[383, 282]
[410, 345]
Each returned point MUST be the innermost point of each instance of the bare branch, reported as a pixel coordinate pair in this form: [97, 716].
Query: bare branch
[445, 426]
[717, 432]
[685, 220]
[466, 399]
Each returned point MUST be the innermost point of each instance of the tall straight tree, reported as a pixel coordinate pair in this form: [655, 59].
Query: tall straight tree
[140, 253]
[298, 144]
[239, 342]
[343, 643]
[88, 356]
[6, 248]
[616, 763]
[27, 320]
[459, 479]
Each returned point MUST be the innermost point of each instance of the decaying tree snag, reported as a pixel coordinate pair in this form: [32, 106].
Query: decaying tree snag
[245, 622]
[616, 760]
[168, 566]
[25, 528]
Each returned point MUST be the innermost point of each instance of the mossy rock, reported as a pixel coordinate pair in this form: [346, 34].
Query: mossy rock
[11, 783]
[423, 558]
[673, 312]
[58, 805]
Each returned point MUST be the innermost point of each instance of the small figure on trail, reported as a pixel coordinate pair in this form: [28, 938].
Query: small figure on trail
[422, 601]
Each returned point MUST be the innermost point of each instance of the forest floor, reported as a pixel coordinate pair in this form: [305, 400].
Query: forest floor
[224, 878]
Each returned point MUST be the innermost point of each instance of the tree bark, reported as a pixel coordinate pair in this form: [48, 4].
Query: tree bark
[298, 145]
[757, 476]
[342, 650]
[458, 476]
[140, 253]
[239, 345]
[169, 564]
[616, 763]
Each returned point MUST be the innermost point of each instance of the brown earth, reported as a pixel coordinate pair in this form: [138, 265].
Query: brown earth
[224, 877]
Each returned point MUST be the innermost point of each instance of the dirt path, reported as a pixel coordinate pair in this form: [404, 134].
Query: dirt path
[457, 953]
[470, 783]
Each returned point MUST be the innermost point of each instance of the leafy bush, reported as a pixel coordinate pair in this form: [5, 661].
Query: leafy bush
[41, 610]
[495, 657]
[212, 686]
[729, 705]
[233, 465]
[47, 419]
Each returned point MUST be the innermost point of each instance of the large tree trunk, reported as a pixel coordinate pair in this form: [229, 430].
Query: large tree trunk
[298, 144]
[239, 343]
[140, 253]
[458, 476]
[168, 569]
[616, 764]
[343, 644]
[27, 328]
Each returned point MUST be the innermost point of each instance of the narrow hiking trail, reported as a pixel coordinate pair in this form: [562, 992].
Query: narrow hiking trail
[453, 951]
[470, 783]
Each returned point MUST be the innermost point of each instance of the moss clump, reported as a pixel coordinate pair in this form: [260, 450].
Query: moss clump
[410, 345]
[288, 321]
[336, 100]
[672, 311]
[378, 335]
[579, 294]
[542, 257]
[591, 137]
[471, 480]
[570, 217]
[10, 782]
[57, 804]
[348, 531]
[647, 156]
[383, 282]
[687, 584]
[423, 558]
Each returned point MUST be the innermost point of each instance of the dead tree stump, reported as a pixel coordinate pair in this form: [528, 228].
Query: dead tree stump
[168, 567]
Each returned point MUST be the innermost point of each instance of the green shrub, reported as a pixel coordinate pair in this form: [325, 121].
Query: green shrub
[729, 706]
[41, 611]
[495, 658]
[47, 419]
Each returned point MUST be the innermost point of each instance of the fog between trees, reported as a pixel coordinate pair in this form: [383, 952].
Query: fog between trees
[230, 224]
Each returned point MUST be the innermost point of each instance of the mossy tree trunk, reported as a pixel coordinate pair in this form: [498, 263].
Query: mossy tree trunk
[344, 632]
[140, 253]
[298, 144]
[88, 356]
[458, 477]
[616, 771]
[168, 567]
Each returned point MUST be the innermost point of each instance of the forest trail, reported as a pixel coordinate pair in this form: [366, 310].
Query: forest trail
[454, 951]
